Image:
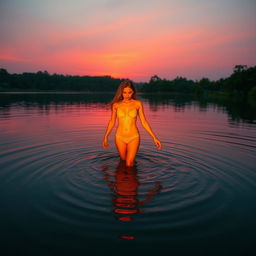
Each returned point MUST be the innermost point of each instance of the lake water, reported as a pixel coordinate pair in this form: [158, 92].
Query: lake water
[63, 194]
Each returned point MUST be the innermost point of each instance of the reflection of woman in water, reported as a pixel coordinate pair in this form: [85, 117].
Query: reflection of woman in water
[126, 108]
[125, 188]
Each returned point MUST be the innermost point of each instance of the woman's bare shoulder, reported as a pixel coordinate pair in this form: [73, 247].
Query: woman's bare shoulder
[115, 105]
[138, 103]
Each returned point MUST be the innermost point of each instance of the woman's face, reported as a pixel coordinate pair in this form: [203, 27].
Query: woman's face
[127, 93]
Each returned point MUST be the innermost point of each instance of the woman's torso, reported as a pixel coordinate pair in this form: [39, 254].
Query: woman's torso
[127, 116]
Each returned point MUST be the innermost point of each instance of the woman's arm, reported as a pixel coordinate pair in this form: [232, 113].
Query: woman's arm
[110, 126]
[146, 125]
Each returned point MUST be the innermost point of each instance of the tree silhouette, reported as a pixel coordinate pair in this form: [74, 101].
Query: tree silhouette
[154, 78]
[239, 68]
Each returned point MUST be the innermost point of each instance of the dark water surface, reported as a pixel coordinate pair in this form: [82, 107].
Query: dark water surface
[62, 194]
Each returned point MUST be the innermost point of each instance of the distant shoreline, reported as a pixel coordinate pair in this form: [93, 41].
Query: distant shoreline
[89, 92]
[210, 94]
[53, 92]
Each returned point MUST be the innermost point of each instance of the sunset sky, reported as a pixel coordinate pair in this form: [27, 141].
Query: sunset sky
[128, 39]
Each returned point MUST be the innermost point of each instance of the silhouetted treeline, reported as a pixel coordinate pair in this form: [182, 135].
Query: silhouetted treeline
[44, 81]
[243, 80]
[179, 84]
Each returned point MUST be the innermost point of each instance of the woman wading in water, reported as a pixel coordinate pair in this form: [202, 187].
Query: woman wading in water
[125, 108]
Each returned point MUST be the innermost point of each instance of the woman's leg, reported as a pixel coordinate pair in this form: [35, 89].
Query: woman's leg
[121, 147]
[132, 148]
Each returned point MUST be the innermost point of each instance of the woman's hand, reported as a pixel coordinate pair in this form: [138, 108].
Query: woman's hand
[157, 143]
[105, 143]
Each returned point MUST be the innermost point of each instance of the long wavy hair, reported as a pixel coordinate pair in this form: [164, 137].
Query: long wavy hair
[119, 93]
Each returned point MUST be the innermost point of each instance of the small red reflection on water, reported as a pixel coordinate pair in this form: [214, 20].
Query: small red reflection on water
[127, 237]
[126, 211]
[125, 218]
